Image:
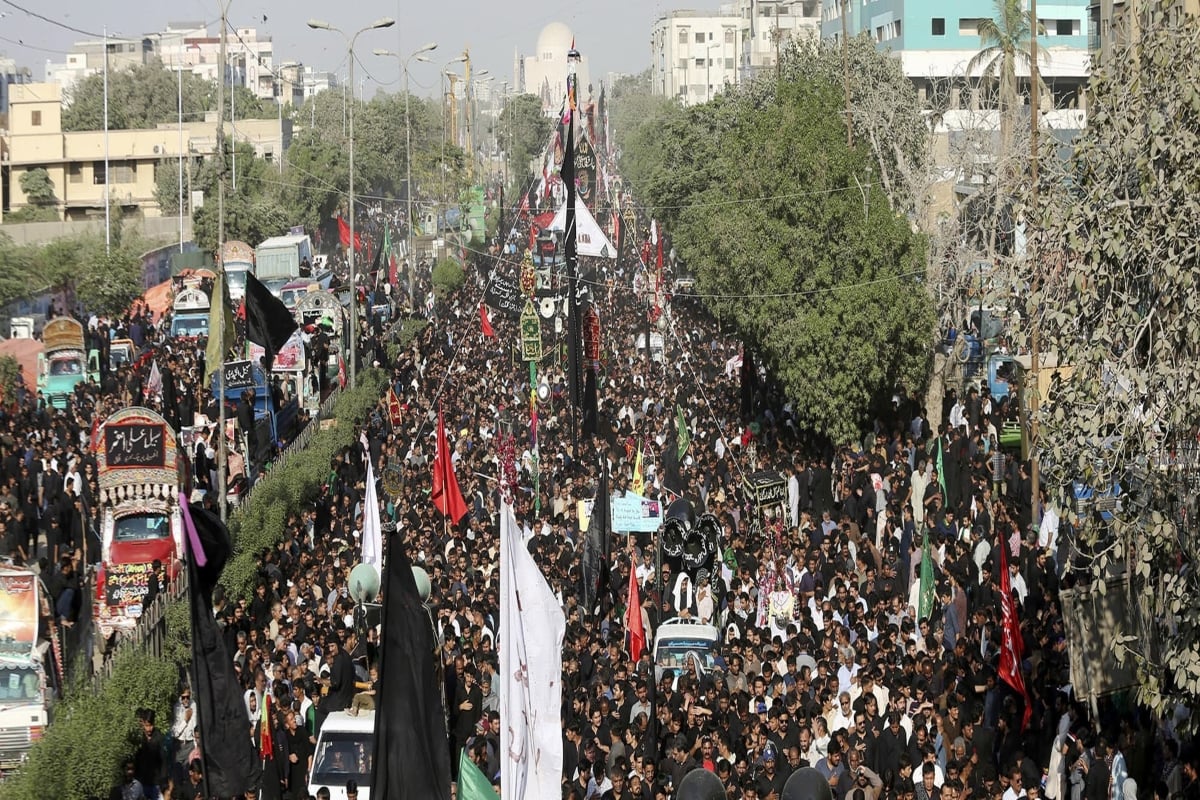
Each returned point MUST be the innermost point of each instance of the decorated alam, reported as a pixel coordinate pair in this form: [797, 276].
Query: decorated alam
[774, 445]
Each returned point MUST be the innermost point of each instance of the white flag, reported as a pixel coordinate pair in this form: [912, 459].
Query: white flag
[372, 542]
[531, 636]
[153, 382]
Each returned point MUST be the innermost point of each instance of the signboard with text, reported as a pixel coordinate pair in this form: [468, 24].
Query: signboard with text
[238, 375]
[141, 445]
[636, 514]
[126, 584]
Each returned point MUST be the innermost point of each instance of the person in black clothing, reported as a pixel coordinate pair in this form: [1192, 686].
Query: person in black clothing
[340, 683]
[150, 762]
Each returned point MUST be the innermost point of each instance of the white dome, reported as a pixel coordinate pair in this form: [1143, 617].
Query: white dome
[555, 38]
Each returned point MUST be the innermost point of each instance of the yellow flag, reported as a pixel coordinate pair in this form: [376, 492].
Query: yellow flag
[639, 483]
[221, 334]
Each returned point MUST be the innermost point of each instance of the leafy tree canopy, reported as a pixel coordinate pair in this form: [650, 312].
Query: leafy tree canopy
[524, 131]
[1115, 297]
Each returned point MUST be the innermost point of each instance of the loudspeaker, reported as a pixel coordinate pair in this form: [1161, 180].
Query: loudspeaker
[807, 784]
[700, 784]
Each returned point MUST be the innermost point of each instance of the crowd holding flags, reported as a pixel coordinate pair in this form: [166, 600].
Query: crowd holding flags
[446, 496]
[1012, 646]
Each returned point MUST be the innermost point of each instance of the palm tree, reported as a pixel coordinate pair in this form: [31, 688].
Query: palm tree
[1005, 42]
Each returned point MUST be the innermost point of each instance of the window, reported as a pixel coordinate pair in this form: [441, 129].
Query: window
[124, 172]
[74, 173]
[98, 174]
[879, 34]
[729, 63]
[683, 37]
[898, 29]
[710, 36]
[35, 118]
[700, 62]
[968, 26]
[1065, 27]
[699, 38]
[729, 37]
[683, 64]
[710, 62]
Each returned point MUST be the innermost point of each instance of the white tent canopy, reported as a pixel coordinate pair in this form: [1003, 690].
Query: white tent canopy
[590, 240]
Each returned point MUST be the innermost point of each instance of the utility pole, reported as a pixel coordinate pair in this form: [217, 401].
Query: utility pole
[846, 71]
[1034, 337]
[222, 451]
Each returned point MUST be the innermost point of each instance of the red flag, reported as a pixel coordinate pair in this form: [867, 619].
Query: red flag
[1011, 644]
[633, 617]
[266, 746]
[344, 235]
[446, 496]
[484, 322]
[395, 410]
[393, 275]
[341, 373]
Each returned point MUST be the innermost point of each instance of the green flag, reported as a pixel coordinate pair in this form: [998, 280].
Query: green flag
[472, 783]
[221, 334]
[387, 241]
[683, 437]
[925, 603]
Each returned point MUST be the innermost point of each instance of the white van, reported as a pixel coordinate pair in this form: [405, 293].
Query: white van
[345, 751]
[679, 641]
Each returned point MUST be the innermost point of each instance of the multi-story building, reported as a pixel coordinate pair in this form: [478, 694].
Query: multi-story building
[935, 41]
[10, 74]
[183, 45]
[695, 54]
[1112, 24]
[82, 166]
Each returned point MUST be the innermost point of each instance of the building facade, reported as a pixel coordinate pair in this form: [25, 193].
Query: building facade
[696, 54]
[1113, 24]
[936, 40]
[183, 45]
[76, 161]
[10, 74]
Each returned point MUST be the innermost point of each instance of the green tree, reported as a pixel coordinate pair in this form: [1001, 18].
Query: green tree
[138, 97]
[1115, 299]
[112, 279]
[16, 267]
[770, 196]
[315, 178]
[37, 187]
[524, 132]
[166, 184]
[448, 277]
[1005, 39]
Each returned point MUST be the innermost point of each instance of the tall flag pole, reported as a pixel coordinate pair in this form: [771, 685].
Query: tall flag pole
[570, 246]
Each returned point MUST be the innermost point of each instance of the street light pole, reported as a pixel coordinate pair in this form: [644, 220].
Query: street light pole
[409, 258]
[316, 24]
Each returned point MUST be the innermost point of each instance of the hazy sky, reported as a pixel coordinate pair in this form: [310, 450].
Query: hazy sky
[613, 34]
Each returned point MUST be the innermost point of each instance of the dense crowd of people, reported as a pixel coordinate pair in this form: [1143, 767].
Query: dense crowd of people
[825, 660]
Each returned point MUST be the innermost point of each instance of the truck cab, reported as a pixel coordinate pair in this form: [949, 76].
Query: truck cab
[190, 318]
[237, 260]
[24, 691]
[62, 364]
[345, 751]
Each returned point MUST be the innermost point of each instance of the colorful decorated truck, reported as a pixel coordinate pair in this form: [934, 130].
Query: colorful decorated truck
[140, 473]
[62, 364]
[23, 685]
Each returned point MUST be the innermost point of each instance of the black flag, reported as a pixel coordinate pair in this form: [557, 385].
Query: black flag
[231, 765]
[412, 753]
[591, 404]
[598, 546]
[268, 321]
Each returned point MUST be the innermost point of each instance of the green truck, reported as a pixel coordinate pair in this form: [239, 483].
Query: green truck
[63, 363]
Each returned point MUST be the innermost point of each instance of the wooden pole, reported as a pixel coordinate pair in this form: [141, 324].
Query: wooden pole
[1035, 343]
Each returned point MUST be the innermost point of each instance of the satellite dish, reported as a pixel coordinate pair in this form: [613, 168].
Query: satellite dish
[364, 583]
[546, 307]
[422, 579]
[700, 784]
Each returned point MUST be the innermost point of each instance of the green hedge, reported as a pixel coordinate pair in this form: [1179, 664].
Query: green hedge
[297, 482]
[81, 753]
